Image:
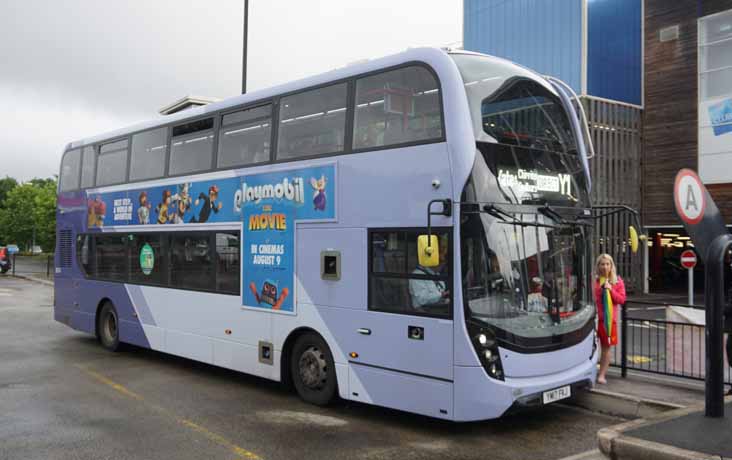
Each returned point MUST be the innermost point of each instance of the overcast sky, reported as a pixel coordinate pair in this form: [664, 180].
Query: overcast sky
[75, 68]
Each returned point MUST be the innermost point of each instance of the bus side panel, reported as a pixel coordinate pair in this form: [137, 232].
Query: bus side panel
[211, 328]
[63, 301]
[404, 392]
[93, 293]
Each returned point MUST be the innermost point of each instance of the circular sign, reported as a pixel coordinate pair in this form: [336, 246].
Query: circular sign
[147, 259]
[688, 259]
[689, 197]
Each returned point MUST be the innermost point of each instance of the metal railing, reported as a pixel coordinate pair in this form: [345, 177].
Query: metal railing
[661, 346]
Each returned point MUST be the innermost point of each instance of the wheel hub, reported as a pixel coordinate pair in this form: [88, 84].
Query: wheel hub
[110, 328]
[313, 368]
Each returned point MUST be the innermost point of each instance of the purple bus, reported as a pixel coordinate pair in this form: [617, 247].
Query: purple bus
[406, 232]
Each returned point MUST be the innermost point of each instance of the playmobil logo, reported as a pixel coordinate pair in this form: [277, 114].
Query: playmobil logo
[290, 190]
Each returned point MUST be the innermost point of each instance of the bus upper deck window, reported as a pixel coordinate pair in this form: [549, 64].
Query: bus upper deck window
[191, 148]
[396, 107]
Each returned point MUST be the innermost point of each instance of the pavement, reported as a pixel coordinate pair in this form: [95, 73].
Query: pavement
[692, 431]
[64, 397]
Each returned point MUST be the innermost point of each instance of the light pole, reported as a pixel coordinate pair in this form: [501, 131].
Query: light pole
[244, 50]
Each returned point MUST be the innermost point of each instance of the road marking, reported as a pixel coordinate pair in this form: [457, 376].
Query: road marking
[289, 416]
[210, 435]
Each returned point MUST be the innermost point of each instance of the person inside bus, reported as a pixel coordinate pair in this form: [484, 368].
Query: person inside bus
[536, 301]
[609, 293]
[433, 291]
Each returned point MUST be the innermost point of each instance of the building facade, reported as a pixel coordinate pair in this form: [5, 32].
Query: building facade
[687, 121]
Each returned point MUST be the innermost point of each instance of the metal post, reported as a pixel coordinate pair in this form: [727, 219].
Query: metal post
[48, 266]
[646, 275]
[244, 48]
[624, 341]
[691, 286]
[13, 264]
[714, 300]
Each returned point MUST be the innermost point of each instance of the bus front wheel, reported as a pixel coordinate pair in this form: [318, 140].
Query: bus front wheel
[313, 370]
[108, 327]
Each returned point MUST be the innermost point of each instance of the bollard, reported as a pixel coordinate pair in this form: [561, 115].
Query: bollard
[48, 266]
[13, 264]
[714, 300]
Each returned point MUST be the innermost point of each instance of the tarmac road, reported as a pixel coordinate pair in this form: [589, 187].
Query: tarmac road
[63, 397]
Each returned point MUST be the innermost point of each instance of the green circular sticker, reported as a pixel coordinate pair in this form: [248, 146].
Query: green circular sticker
[147, 259]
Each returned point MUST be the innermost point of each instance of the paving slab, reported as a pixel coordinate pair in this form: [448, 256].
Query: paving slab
[639, 397]
[693, 432]
[679, 434]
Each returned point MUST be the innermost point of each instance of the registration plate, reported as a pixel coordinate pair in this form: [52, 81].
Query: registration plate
[557, 394]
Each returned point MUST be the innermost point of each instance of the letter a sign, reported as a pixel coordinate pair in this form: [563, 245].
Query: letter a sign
[697, 210]
[690, 200]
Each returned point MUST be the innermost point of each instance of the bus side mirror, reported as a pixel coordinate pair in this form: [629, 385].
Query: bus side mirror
[428, 250]
[635, 238]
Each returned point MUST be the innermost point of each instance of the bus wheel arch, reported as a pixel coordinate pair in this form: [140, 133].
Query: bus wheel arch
[106, 325]
[306, 348]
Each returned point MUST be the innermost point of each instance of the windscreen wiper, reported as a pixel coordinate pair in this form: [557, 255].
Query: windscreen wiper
[552, 213]
[501, 214]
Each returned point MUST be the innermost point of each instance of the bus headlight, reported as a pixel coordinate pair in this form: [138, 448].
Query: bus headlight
[486, 347]
[594, 345]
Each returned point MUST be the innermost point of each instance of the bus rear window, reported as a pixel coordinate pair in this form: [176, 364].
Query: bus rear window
[70, 170]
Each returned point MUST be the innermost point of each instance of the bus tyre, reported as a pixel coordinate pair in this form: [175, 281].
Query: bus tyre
[108, 327]
[313, 370]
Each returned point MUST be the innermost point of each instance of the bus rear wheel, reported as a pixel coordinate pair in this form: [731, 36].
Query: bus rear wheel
[108, 327]
[313, 370]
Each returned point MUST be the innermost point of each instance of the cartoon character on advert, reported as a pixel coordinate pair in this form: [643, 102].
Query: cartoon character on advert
[182, 201]
[209, 204]
[319, 195]
[163, 208]
[143, 212]
[95, 210]
[269, 294]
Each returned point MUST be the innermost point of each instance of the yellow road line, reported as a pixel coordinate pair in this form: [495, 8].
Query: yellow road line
[216, 438]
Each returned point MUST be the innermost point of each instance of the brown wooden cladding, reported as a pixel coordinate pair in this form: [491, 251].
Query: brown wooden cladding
[670, 106]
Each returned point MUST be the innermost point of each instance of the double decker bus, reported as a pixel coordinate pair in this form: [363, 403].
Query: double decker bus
[407, 232]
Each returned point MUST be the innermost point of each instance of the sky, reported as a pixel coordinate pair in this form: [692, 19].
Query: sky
[76, 68]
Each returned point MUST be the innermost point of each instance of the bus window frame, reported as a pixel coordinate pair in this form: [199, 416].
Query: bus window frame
[216, 124]
[98, 149]
[442, 138]
[165, 244]
[272, 123]
[167, 153]
[408, 276]
[80, 148]
[217, 116]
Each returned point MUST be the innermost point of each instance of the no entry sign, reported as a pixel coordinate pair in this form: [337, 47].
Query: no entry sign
[688, 259]
[689, 195]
